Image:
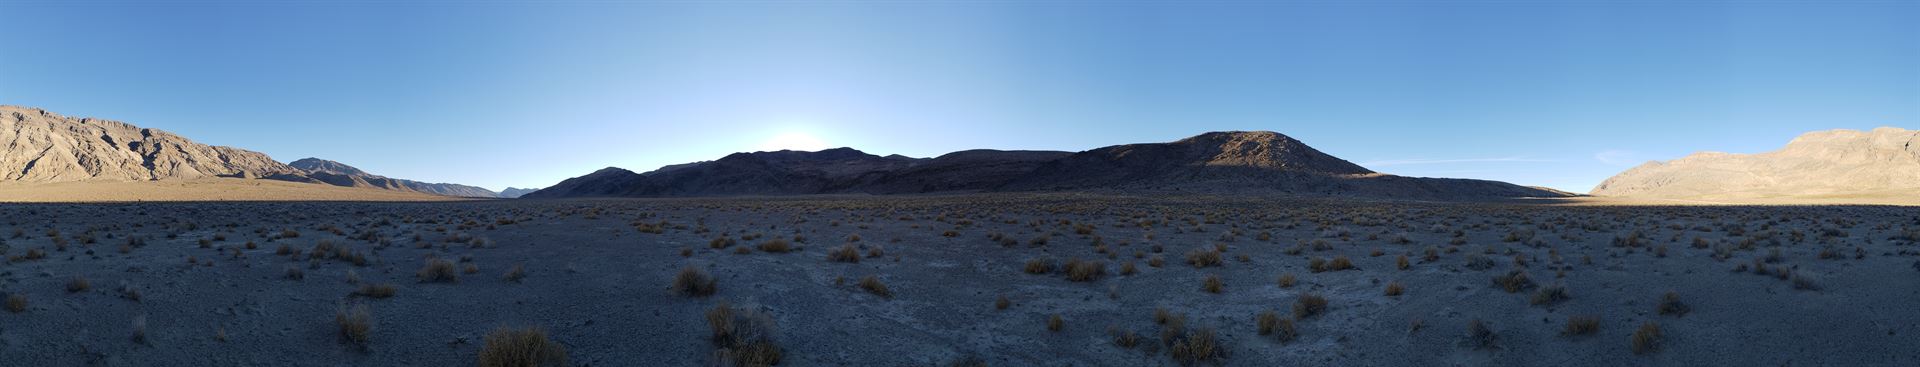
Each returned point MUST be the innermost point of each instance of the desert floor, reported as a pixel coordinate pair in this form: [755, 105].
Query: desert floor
[209, 284]
[206, 189]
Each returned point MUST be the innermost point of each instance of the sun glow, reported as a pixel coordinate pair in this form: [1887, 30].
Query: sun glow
[793, 140]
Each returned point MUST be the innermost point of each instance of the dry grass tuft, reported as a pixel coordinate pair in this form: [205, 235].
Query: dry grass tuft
[1581, 325]
[873, 285]
[692, 281]
[1038, 266]
[78, 284]
[1212, 284]
[742, 337]
[1287, 280]
[371, 290]
[1309, 305]
[438, 270]
[1549, 295]
[16, 303]
[1055, 323]
[1085, 271]
[778, 246]
[1514, 282]
[516, 273]
[1196, 347]
[1270, 323]
[521, 347]
[355, 324]
[1395, 289]
[1203, 257]
[1480, 335]
[1670, 305]
[1646, 339]
[845, 253]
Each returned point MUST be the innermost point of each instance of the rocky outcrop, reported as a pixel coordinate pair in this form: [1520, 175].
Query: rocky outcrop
[45, 147]
[1823, 163]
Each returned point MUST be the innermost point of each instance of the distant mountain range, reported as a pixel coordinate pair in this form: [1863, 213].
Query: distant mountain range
[1833, 163]
[338, 174]
[1257, 162]
[43, 146]
[515, 192]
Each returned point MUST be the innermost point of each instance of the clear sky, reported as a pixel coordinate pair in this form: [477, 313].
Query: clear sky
[527, 93]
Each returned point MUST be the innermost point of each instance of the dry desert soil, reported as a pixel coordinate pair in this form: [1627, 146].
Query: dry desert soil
[1000, 280]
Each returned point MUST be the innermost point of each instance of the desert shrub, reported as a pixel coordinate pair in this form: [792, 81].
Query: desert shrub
[1055, 323]
[438, 270]
[1287, 280]
[1480, 335]
[371, 290]
[295, 273]
[1002, 303]
[1123, 338]
[873, 285]
[778, 246]
[1549, 295]
[1203, 257]
[521, 347]
[1196, 347]
[845, 253]
[140, 329]
[1805, 282]
[1402, 263]
[742, 337]
[1514, 282]
[1581, 325]
[16, 303]
[1085, 271]
[355, 324]
[1340, 263]
[1038, 266]
[1212, 284]
[1646, 339]
[1309, 305]
[691, 281]
[1479, 262]
[78, 284]
[1395, 289]
[516, 273]
[1270, 323]
[1128, 269]
[1670, 305]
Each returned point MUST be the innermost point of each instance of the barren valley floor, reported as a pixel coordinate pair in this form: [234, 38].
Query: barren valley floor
[1001, 280]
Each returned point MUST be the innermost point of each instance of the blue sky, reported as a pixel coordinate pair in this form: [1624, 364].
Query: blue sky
[525, 93]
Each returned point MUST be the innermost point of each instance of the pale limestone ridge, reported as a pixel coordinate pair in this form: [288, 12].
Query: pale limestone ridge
[42, 146]
[1822, 163]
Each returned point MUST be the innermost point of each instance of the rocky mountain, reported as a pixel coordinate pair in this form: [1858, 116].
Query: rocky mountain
[43, 146]
[1257, 162]
[515, 192]
[1822, 163]
[1223, 162]
[340, 174]
[786, 172]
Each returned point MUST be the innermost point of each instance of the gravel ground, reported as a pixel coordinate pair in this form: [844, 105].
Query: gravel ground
[597, 280]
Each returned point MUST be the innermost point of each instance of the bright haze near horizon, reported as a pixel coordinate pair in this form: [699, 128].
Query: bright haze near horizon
[512, 93]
